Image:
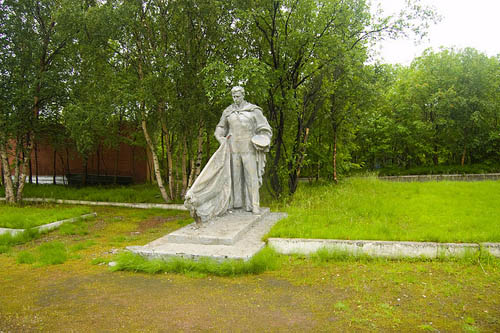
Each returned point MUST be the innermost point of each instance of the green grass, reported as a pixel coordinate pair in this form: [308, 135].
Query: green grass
[29, 216]
[76, 228]
[370, 209]
[52, 253]
[7, 240]
[265, 260]
[132, 193]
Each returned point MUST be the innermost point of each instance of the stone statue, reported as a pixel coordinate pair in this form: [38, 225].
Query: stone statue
[233, 175]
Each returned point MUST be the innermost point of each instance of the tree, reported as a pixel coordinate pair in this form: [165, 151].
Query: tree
[34, 37]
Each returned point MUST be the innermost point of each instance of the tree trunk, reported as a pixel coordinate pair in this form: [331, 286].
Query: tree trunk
[276, 183]
[36, 163]
[84, 178]
[184, 165]
[196, 167]
[68, 171]
[31, 172]
[435, 156]
[2, 181]
[156, 164]
[24, 170]
[7, 180]
[116, 164]
[207, 145]
[61, 159]
[294, 177]
[462, 160]
[54, 168]
[170, 170]
[98, 155]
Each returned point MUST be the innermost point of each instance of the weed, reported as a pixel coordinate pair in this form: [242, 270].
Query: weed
[4, 249]
[53, 253]
[427, 327]
[25, 257]
[341, 306]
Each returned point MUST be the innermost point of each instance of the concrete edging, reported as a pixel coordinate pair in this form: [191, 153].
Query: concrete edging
[46, 227]
[388, 249]
[106, 203]
[454, 177]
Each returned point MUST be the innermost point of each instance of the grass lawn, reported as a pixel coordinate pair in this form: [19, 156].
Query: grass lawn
[134, 193]
[30, 216]
[370, 209]
[56, 283]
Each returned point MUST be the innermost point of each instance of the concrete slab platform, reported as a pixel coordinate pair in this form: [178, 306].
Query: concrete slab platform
[225, 230]
[236, 235]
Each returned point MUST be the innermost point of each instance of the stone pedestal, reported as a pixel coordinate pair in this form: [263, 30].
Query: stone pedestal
[236, 235]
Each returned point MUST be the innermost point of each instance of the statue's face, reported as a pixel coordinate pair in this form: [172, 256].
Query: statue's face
[237, 97]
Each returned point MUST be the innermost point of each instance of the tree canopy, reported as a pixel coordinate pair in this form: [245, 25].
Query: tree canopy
[165, 67]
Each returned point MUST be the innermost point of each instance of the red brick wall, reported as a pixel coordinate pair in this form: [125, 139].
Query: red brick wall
[132, 162]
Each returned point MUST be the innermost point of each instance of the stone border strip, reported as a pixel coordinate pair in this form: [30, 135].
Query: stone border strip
[105, 203]
[388, 249]
[426, 178]
[46, 227]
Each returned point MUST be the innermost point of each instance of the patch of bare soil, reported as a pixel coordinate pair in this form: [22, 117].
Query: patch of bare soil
[155, 222]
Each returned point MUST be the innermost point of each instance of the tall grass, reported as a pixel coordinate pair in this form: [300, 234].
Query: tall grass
[367, 208]
[30, 216]
[266, 259]
[7, 240]
[131, 193]
[52, 253]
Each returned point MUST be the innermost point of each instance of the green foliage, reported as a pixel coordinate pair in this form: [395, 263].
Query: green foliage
[266, 259]
[443, 109]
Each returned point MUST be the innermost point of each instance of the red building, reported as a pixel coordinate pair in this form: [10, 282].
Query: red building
[126, 162]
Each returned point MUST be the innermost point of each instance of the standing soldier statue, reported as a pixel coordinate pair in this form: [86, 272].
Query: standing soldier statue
[233, 176]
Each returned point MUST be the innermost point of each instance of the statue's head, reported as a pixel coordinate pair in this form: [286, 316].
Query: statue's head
[238, 94]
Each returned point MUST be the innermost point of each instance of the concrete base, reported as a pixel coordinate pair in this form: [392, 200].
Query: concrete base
[389, 249]
[47, 227]
[236, 235]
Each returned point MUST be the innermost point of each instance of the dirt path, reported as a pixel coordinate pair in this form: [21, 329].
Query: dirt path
[300, 296]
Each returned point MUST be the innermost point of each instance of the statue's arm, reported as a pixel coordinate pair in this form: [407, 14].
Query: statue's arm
[262, 126]
[222, 128]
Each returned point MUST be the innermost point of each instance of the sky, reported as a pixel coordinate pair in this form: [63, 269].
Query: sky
[464, 23]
